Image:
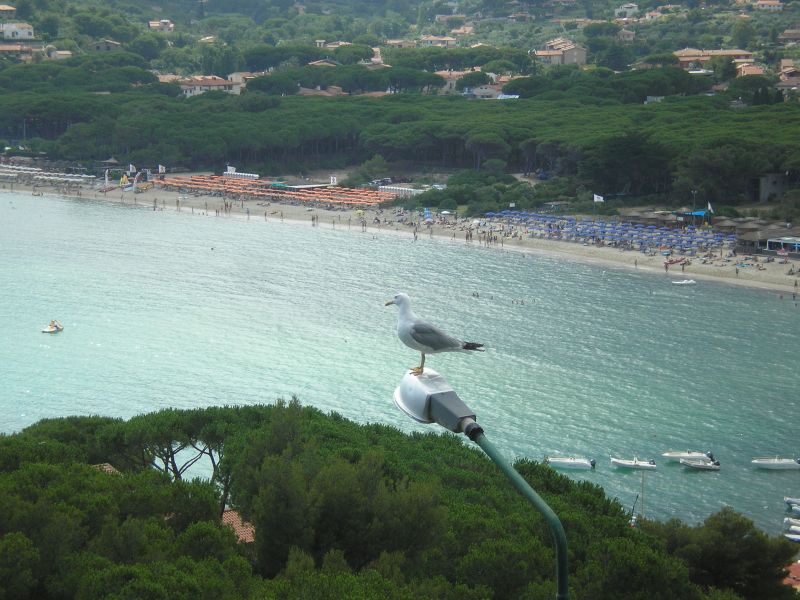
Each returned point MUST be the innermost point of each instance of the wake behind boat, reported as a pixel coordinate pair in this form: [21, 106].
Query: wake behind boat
[570, 462]
[685, 282]
[625, 463]
[703, 465]
[53, 327]
[678, 455]
[775, 462]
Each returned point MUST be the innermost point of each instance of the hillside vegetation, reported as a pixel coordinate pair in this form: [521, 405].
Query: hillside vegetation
[339, 509]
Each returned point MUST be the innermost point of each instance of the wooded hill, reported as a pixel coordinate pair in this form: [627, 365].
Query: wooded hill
[340, 511]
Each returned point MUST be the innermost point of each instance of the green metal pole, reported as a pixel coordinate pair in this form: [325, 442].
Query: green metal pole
[475, 433]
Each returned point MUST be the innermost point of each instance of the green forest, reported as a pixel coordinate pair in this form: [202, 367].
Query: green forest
[340, 510]
[580, 130]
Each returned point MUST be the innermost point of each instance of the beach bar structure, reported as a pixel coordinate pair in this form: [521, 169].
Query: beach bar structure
[230, 187]
[784, 245]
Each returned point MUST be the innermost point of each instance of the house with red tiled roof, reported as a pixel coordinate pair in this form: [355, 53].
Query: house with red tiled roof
[450, 78]
[7, 12]
[19, 51]
[690, 57]
[793, 577]
[200, 84]
[245, 532]
[745, 69]
[106, 46]
[561, 51]
[768, 5]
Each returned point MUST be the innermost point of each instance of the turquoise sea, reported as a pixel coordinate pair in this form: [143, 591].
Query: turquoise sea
[166, 309]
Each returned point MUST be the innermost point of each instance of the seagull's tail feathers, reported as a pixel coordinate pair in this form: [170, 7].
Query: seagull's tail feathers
[472, 346]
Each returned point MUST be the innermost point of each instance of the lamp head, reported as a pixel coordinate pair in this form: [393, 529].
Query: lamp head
[428, 398]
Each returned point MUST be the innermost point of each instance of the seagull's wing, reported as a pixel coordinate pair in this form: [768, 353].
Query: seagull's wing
[434, 338]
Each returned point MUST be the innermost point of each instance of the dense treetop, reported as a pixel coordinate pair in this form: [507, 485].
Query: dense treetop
[340, 510]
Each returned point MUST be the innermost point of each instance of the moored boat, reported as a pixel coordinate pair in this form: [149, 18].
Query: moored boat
[790, 522]
[775, 462]
[792, 537]
[791, 501]
[795, 509]
[704, 465]
[633, 464]
[570, 462]
[677, 455]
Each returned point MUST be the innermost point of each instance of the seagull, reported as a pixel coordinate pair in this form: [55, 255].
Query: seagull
[421, 335]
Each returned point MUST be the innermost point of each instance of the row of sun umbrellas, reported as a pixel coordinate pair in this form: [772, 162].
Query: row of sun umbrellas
[622, 233]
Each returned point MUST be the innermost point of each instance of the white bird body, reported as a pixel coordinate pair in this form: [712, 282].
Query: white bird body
[423, 336]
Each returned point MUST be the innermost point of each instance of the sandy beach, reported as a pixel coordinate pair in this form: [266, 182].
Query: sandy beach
[492, 234]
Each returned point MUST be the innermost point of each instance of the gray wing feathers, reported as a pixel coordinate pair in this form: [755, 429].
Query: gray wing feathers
[434, 338]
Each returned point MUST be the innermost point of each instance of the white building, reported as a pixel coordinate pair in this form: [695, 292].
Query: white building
[16, 31]
[626, 11]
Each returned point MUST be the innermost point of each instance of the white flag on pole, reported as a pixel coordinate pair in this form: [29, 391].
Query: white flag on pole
[598, 198]
[162, 169]
[106, 177]
[131, 168]
[711, 210]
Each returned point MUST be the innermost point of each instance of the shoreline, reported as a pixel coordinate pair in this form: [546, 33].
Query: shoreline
[772, 277]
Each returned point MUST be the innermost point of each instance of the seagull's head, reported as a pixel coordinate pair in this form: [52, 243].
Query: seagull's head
[400, 300]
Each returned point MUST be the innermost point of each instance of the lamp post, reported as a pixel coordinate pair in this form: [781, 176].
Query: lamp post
[694, 204]
[428, 398]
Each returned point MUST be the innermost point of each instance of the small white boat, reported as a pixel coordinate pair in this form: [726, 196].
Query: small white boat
[53, 327]
[633, 464]
[684, 282]
[792, 537]
[677, 455]
[791, 501]
[776, 462]
[704, 465]
[570, 462]
[795, 509]
[790, 522]
[794, 529]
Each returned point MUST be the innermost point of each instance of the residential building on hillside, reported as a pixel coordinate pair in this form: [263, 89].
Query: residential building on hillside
[450, 78]
[561, 51]
[748, 69]
[427, 41]
[7, 12]
[106, 46]
[626, 11]
[626, 35]
[689, 58]
[768, 5]
[16, 31]
[19, 51]
[790, 35]
[400, 43]
[200, 84]
[163, 26]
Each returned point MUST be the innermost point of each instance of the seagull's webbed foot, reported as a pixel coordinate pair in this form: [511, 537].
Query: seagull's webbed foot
[417, 371]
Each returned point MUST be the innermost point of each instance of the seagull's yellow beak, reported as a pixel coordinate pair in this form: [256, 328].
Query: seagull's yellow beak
[389, 302]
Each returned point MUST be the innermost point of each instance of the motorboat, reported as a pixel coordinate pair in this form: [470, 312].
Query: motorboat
[53, 327]
[791, 501]
[790, 522]
[705, 465]
[570, 462]
[677, 455]
[794, 529]
[792, 537]
[795, 509]
[633, 464]
[684, 282]
[775, 462]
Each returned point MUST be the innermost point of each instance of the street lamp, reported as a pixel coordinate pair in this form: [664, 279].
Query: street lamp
[694, 204]
[428, 398]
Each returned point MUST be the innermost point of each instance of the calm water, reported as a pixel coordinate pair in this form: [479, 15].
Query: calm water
[172, 310]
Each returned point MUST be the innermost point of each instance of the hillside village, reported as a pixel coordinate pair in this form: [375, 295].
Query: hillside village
[574, 41]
